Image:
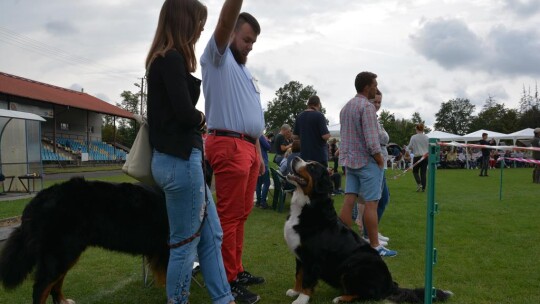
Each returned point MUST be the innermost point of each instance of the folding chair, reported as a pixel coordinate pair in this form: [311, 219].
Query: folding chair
[280, 193]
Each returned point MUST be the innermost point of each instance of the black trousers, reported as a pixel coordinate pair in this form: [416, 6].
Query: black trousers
[484, 165]
[536, 174]
[420, 171]
[336, 180]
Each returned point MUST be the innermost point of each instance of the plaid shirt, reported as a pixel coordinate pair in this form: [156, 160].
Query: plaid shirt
[359, 133]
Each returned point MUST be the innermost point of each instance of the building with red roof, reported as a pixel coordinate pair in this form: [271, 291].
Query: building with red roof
[68, 113]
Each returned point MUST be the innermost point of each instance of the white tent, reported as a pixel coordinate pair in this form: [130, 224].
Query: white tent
[477, 135]
[444, 136]
[527, 133]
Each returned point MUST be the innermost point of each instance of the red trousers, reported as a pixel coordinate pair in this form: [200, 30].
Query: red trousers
[236, 168]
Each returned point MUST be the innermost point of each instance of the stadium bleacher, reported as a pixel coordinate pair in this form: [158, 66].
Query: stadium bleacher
[98, 151]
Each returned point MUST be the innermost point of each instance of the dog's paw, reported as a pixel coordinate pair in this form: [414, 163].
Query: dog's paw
[292, 293]
[67, 301]
[446, 294]
[302, 299]
[336, 300]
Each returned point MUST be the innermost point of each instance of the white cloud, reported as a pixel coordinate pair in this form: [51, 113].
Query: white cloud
[450, 43]
[459, 48]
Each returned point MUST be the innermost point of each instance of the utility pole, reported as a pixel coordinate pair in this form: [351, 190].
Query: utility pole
[142, 95]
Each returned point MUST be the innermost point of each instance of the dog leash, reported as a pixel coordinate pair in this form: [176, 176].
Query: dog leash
[410, 168]
[198, 233]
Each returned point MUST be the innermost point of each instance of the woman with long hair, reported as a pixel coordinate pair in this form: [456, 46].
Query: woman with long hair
[177, 162]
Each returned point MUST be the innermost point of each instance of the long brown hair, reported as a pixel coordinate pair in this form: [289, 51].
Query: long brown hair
[179, 27]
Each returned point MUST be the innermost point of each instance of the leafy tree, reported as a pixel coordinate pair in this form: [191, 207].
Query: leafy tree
[455, 116]
[405, 128]
[126, 128]
[387, 119]
[496, 117]
[290, 101]
[530, 118]
[399, 130]
[417, 119]
[527, 101]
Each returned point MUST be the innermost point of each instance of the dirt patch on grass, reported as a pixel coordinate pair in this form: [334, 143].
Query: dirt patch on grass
[11, 221]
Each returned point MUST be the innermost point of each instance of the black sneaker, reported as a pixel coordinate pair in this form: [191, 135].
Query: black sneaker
[242, 295]
[247, 278]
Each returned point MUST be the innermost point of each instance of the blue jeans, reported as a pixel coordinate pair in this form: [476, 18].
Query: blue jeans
[183, 184]
[385, 198]
[263, 184]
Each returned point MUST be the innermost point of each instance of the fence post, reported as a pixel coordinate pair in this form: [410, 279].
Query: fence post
[431, 252]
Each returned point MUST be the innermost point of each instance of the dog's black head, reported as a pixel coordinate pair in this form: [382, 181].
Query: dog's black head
[310, 177]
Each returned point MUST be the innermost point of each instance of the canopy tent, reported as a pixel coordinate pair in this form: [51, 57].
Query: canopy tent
[527, 133]
[444, 136]
[20, 148]
[477, 135]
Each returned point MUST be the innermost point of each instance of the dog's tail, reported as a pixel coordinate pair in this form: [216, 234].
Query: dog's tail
[158, 262]
[406, 295]
[17, 258]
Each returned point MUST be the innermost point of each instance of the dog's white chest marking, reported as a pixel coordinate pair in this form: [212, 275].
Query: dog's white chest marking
[298, 201]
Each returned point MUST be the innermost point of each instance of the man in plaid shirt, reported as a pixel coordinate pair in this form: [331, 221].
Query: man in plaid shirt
[360, 153]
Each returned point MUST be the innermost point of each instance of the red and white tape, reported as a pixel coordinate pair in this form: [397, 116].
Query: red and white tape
[456, 144]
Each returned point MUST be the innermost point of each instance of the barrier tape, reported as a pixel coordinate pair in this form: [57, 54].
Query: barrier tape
[410, 167]
[456, 144]
[523, 160]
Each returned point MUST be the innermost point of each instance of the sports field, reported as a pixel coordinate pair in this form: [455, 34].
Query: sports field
[488, 249]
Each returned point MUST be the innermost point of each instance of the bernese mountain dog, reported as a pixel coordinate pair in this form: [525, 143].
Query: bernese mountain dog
[325, 248]
[60, 222]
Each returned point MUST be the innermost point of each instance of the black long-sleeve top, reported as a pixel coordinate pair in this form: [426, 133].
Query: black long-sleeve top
[172, 117]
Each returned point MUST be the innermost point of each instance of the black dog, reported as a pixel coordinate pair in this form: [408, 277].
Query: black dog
[327, 249]
[63, 220]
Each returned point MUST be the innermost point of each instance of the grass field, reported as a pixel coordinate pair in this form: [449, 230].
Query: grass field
[488, 249]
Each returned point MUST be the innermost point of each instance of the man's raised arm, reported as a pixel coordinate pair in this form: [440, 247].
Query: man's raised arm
[226, 23]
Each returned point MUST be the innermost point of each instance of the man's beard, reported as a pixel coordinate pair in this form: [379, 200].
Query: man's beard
[240, 59]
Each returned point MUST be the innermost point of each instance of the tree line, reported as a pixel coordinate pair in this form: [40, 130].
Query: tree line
[454, 116]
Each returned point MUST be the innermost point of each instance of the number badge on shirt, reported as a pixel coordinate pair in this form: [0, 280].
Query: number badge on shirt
[256, 84]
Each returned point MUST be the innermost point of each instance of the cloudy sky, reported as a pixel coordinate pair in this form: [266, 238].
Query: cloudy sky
[424, 51]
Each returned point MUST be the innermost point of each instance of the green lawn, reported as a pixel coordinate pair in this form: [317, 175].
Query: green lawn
[488, 249]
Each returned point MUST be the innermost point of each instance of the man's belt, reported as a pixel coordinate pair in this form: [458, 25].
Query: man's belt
[232, 134]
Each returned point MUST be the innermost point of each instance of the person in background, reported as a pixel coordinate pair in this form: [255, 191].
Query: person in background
[335, 177]
[270, 138]
[285, 165]
[407, 159]
[263, 183]
[486, 154]
[536, 155]
[333, 153]
[235, 123]
[419, 145]
[310, 128]
[177, 160]
[282, 142]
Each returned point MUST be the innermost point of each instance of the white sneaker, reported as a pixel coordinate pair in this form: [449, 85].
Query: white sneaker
[383, 238]
[381, 242]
